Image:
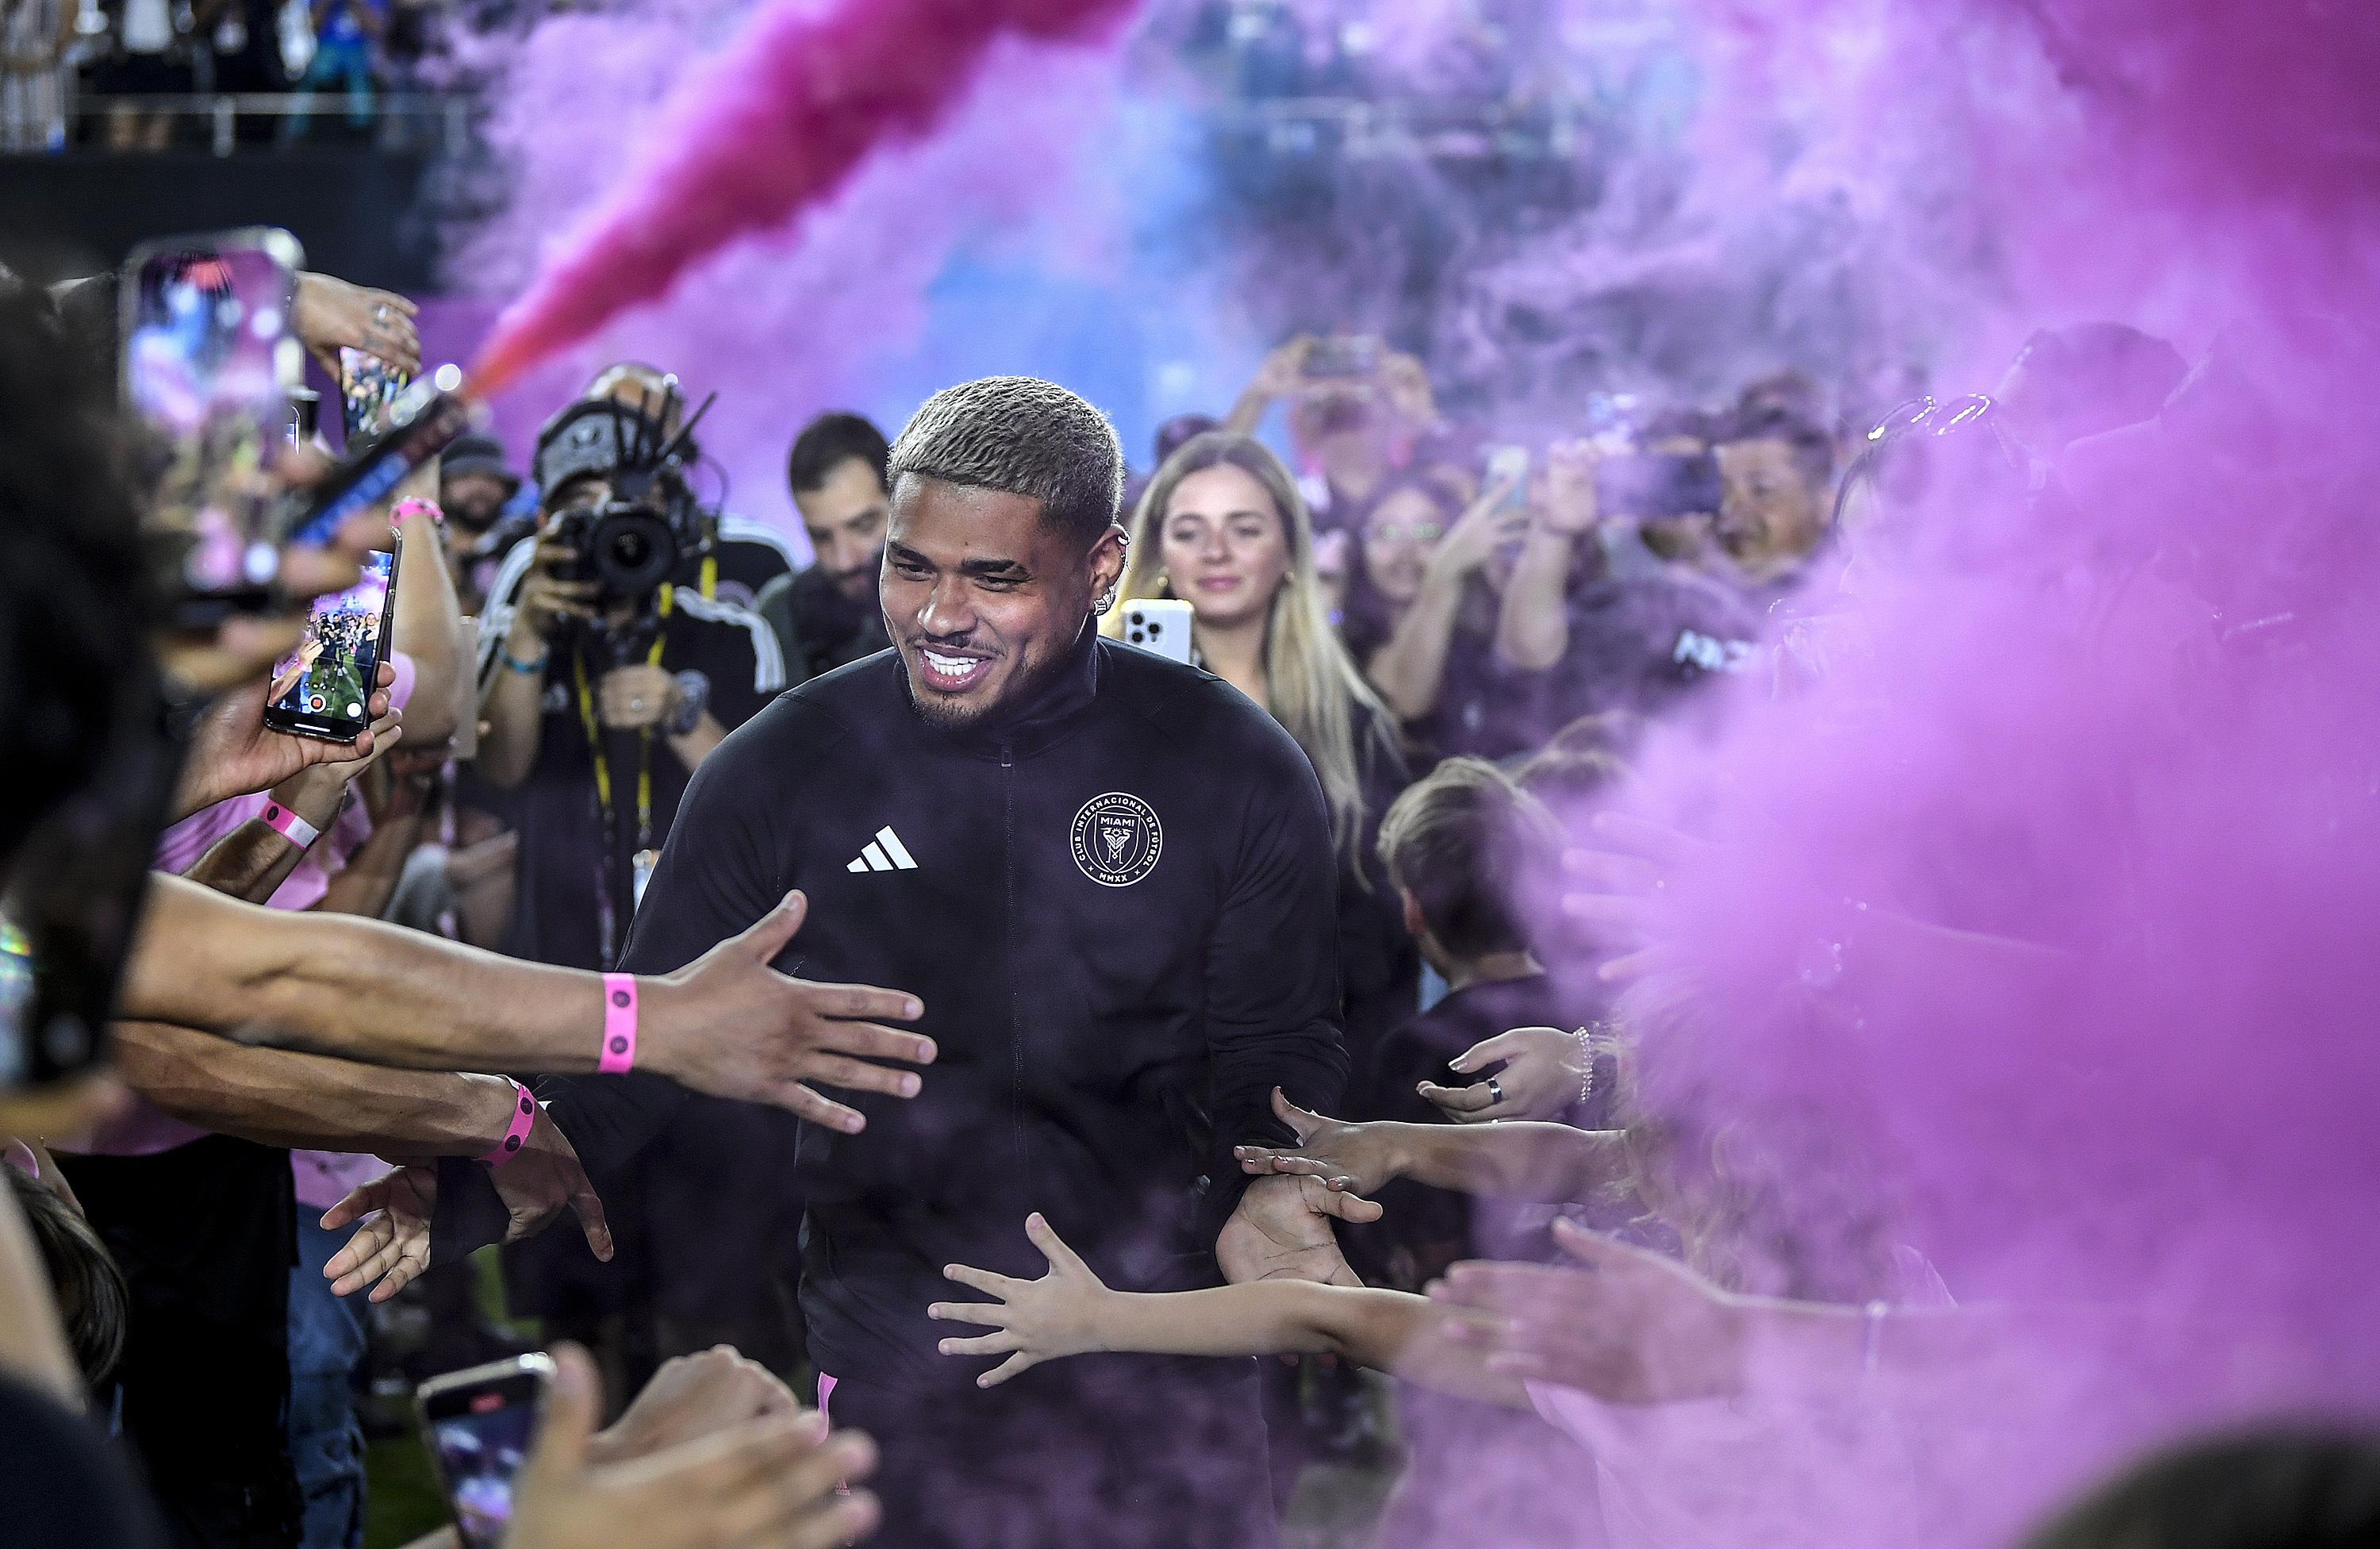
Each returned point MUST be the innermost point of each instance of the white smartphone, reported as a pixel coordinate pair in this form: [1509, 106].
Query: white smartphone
[1160, 625]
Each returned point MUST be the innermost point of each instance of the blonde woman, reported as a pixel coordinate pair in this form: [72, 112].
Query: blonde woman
[1221, 527]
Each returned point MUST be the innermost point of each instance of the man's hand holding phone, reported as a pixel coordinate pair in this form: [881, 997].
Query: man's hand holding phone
[233, 753]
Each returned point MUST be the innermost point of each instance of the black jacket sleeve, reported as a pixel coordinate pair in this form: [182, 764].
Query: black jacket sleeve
[1272, 972]
[713, 880]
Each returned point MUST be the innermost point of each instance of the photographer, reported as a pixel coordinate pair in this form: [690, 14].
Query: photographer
[609, 677]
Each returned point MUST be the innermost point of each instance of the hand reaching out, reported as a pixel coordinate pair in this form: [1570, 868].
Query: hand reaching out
[1627, 1325]
[1544, 1069]
[728, 1025]
[1034, 1320]
[1350, 1158]
[1282, 1231]
[392, 1246]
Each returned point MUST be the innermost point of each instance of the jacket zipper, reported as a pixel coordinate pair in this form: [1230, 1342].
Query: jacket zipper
[1016, 1012]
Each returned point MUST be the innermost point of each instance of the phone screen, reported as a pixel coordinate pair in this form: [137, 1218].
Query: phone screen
[207, 359]
[368, 385]
[323, 689]
[423, 417]
[480, 1433]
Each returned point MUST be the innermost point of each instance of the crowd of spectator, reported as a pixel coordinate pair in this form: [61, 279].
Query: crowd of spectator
[1245, 980]
[130, 75]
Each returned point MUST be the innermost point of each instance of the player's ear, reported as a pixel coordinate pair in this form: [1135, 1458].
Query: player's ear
[1107, 561]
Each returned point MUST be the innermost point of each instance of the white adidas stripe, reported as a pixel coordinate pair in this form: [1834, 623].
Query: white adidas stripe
[884, 853]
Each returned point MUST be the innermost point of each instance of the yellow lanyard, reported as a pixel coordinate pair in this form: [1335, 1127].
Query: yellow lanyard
[644, 734]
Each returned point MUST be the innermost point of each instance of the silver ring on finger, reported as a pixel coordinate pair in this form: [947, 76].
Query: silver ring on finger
[381, 314]
[1494, 1090]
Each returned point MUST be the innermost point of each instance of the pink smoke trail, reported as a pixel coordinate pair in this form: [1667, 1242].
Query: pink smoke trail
[773, 129]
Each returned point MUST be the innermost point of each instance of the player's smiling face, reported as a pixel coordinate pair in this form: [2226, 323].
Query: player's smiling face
[982, 597]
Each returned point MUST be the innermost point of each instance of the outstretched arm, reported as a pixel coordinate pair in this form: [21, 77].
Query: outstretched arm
[1550, 1163]
[727, 1024]
[1070, 1311]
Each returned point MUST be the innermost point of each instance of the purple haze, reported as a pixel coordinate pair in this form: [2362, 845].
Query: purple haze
[2133, 728]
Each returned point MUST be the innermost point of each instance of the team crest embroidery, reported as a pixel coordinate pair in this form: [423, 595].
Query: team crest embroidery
[1117, 839]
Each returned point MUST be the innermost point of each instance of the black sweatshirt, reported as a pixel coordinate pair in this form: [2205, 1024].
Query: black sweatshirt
[1117, 905]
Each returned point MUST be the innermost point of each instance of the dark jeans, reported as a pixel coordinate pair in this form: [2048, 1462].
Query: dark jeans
[326, 1345]
[1122, 1452]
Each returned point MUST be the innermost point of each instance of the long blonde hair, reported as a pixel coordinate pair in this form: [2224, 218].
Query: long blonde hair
[1316, 693]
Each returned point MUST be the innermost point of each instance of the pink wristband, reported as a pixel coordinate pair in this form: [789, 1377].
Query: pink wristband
[288, 825]
[619, 1024]
[525, 1112]
[405, 508]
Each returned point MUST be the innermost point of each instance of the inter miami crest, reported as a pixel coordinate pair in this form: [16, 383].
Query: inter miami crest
[1117, 839]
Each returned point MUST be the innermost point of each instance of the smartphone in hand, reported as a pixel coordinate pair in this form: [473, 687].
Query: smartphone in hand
[421, 419]
[324, 690]
[208, 362]
[1160, 625]
[479, 1424]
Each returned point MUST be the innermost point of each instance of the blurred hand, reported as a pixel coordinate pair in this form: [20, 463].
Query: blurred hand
[728, 1025]
[1614, 889]
[1626, 1325]
[1544, 1069]
[631, 698]
[233, 753]
[1351, 1158]
[692, 1396]
[330, 313]
[765, 1483]
[1282, 1231]
[1475, 536]
[1284, 370]
[545, 599]
[1569, 508]
[1405, 381]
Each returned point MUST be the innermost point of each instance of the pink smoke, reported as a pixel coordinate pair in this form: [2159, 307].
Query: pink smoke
[778, 124]
[2128, 727]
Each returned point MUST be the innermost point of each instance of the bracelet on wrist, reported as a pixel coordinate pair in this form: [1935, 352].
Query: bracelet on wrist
[414, 505]
[526, 1108]
[288, 825]
[504, 654]
[619, 1054]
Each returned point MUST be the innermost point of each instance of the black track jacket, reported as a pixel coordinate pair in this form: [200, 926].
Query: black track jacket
[1118, 905]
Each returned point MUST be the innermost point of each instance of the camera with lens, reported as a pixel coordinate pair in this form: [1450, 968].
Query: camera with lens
[649, 523]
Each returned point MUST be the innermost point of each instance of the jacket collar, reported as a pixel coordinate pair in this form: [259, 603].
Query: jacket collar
[1049, 713]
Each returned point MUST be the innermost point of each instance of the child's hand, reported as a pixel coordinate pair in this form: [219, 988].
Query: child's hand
[1037, 1320]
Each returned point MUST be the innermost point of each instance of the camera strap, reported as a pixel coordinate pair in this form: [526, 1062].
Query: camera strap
[606, 911]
